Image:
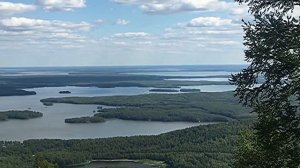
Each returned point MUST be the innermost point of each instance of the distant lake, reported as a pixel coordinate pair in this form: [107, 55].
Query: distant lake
[199, 79]
[212, 88]
[33, 73]
[184, 73]
[52, 125]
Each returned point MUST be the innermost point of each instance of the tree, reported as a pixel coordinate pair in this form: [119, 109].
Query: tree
[273, 51]
[40, 162]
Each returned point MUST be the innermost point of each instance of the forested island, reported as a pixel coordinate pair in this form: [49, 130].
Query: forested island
[64, 92]
[191, 107]
[21, 115]
[10, 91]
[203, 146]
[14, 85]
[93, 119]
[190, 90]
[163, 90]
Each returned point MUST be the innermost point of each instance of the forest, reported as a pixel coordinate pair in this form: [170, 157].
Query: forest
[11, 91]
[197, 147]
[191, 107]
[21, 115]
[15, 85]
[93, 119]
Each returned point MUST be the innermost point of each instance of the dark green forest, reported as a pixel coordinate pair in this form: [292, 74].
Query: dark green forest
[12, 91]
[93, 119]
[191, 107]
[21, 115]
[197, 147]
[13, 85]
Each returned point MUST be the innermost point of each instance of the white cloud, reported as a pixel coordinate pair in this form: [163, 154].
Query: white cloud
[9, 8]
[21, 22]
[131, 35]
[99, 21]
[209, 21]
[27, 24]
[61, 5]
[224, 42]
[173, 6]
[22, 31]
[120, 43]
[122, 22]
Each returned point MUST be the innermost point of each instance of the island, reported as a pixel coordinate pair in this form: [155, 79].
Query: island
[21, 115]
[16, 85]
[8, 91]
[163, 90]
[190, 90]
[93, 119]
[48, 104]
[189, 107]
[64, 92]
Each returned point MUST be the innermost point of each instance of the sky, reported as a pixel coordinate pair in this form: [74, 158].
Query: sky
[120, 32]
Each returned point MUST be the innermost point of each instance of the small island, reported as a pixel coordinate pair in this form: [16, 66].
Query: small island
[190, 90]
[64, 92]
[47, 104]
[21, 115]
[93, 119]
[164, 90]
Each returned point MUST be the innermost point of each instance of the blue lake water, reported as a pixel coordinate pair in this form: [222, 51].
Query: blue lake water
[52, 125]
[184, 73]
[199, 79]
[212, 88]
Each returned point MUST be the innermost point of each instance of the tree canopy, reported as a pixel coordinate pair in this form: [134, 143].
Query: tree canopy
[272, 43]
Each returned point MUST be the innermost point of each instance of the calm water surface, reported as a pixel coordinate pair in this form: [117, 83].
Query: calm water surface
[212, 88]
[184, 73]
[52, 125]
[199, 79]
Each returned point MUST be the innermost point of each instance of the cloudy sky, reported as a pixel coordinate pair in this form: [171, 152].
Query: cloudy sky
[120, 32]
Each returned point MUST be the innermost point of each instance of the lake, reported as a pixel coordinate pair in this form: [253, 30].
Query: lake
[199, 79]
[52, 125]
[184, 73]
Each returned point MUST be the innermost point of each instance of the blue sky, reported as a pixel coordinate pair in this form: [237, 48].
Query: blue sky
[120, 32]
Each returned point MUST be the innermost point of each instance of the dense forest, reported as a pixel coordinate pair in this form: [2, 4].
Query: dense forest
[13, 85]
[12, 91]
[93, 119]
[197, 147]
[22, 115]
[192, 107]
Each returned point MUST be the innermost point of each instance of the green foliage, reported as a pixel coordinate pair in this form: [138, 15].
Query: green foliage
[257, 6]
[273, 50]
[196, 147]
[247, 153]
[193, 107]
[103, 80]
[43, 163]
[12, 91]
[93, 119]
[22, 115]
